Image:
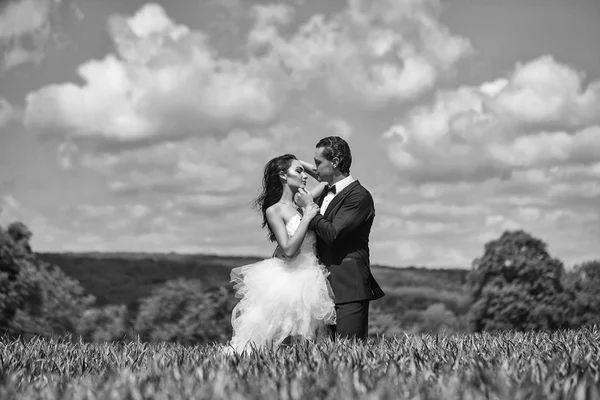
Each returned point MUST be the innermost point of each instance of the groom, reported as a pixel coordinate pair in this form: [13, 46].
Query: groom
[342, 228]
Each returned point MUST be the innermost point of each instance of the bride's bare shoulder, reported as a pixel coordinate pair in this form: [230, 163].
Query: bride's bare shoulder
[275, 210]
[280, 211]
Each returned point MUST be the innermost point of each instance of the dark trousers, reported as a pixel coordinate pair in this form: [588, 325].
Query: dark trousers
[352, 320]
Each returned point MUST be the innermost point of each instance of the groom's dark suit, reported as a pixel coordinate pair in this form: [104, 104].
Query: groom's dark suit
[343, 247]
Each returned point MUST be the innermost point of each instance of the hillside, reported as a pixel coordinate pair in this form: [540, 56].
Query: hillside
[125, 278]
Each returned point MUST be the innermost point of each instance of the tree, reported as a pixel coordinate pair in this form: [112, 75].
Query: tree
[35, 297]
[516, 284]
[21, 235]
[184, 311]
[13, 294]
[58, 305]
[583, 292]
[8, 262]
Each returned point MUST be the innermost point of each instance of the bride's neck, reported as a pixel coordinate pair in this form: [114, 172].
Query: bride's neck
[287, 197]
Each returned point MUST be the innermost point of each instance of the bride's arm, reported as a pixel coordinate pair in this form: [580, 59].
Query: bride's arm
[289, 245]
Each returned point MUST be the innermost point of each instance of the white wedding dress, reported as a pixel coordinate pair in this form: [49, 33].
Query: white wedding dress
[281, 298]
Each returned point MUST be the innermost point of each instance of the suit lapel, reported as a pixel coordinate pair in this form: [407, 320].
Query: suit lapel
[320, 200]
[340, 197]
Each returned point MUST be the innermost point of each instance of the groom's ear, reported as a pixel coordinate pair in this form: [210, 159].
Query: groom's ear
[335, 162]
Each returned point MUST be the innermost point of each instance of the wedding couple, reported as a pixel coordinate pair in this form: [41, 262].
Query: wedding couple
[318, 282]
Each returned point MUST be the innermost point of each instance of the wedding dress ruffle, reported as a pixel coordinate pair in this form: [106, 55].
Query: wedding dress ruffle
[281, 298]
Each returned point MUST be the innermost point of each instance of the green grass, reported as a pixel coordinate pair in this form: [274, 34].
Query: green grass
[560, 365]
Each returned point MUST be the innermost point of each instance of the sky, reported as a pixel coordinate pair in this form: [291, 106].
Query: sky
[128, 125]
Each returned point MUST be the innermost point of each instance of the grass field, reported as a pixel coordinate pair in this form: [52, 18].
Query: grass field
[560, 365]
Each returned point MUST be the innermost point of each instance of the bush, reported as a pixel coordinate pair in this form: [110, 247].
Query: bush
[104, 324]
[184, 311]
[437, 318]
[383, 323]
[405, 298]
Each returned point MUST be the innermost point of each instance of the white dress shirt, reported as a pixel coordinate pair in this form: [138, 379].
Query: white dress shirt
[339, 186]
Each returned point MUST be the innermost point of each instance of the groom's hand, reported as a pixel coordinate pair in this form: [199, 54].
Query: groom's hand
[303, 198]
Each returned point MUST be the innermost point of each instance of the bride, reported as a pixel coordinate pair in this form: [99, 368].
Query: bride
[288, 295]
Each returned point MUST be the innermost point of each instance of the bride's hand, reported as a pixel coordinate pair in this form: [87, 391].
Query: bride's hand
[311, 210]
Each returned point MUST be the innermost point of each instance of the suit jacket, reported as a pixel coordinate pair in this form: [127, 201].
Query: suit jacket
[343, 244]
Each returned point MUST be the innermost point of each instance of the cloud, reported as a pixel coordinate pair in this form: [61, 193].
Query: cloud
[27, 26]
[540, 116]
[13, 209]
[179, 224]
[339, 127]
[551, 149]
[10, 205]
[179, 133]
[116, 226]
[7, 112]
[267, 19]
[371, 53]
[194, 165]
[448, 223]
[163, 82]
[21, 17]
[545, 93]
[20, 20]
[197, 192]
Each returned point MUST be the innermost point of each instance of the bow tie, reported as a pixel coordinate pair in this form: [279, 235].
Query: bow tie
[329, 188]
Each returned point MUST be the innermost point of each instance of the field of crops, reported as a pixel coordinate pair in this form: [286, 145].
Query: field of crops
[561, 365]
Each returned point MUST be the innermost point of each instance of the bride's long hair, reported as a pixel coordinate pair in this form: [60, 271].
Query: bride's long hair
[272, 189]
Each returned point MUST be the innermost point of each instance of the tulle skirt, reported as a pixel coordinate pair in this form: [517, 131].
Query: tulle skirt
[280, 298]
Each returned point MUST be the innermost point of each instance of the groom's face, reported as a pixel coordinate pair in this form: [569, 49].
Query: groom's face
[324, 166]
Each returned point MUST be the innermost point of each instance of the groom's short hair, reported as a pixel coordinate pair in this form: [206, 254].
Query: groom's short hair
[335, 146]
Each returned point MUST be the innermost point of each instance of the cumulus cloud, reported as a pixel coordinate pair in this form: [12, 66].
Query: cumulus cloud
[164, 81]
[180, 133]
[519, 152]
[547, 93]
[195, 165]
[550, 149]
[339, 127]
[540, 116]
[27, 26]
[13, 209]
[10, 205]
[451, 222]
[197, 192]
[370, 53]
[6, 112]
[180, 224]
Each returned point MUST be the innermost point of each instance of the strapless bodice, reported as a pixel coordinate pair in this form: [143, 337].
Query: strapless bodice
[310, 239]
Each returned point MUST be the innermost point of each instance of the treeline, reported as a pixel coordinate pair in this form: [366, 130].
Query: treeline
[126, 278]
[417, 298]
[38, 298]
[515, 285]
